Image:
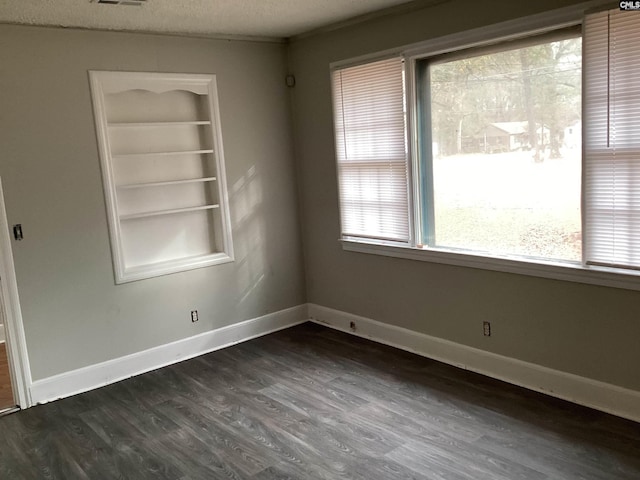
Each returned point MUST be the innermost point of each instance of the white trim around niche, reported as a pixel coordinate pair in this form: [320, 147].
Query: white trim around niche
[104, 83]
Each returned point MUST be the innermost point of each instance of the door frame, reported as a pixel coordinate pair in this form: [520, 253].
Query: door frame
[12, 315]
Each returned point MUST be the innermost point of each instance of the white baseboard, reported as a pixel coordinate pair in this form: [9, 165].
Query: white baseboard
[2, 337]
[583, 391]
[99, 375]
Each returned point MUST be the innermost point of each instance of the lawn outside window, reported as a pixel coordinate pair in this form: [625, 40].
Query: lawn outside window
[472, 153]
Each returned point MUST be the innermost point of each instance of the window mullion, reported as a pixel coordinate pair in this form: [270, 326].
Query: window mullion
[425, 156]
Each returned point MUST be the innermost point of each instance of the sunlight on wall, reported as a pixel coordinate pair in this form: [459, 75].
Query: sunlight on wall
[248, 228]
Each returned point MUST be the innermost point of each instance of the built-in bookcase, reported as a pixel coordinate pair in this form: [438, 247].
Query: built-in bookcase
[163, 170]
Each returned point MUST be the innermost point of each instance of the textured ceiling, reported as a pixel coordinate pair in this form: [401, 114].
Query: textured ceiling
[261, 18]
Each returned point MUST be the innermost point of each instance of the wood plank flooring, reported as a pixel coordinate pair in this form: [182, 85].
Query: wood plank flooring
[312, 403]
[6, 394]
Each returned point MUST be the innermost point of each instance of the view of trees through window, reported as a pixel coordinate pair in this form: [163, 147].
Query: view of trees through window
[506, 132]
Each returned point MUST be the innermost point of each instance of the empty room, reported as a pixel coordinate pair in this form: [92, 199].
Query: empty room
[363, 239]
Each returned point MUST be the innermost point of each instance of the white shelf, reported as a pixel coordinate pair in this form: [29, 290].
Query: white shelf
[162, 184]
[133, 216]
[161, 154]
[157, 124]
[138, 272]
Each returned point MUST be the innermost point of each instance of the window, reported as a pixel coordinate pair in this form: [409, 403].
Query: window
[612, 139]
[163, 172]
[371, 150]
[501, 176]
[496, 167]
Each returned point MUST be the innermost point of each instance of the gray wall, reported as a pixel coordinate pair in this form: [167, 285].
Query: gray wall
[74, 314]
[586, 330]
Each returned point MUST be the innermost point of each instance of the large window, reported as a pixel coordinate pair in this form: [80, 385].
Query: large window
[503, 128]
[497, 164]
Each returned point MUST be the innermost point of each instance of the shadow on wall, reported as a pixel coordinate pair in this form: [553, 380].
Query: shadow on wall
[248, 226]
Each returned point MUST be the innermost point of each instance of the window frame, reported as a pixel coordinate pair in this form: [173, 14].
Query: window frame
[482, 37]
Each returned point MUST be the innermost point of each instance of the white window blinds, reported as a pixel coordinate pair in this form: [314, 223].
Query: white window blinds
[611, 60]
[371, 150]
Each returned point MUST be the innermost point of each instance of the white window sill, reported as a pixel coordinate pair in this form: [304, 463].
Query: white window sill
[571, 272]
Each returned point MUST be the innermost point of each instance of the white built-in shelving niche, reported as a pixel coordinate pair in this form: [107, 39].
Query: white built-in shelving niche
[163, 170]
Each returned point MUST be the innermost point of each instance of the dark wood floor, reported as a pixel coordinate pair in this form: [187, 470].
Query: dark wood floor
[312, 403]
[6, 394]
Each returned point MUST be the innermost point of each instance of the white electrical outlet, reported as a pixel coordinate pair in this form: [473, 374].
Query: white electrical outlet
[486, 327]
[194, 316]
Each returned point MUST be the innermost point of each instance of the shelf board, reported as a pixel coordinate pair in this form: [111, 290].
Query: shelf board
[156, 124]
[133, 216]
[138, 272]
[160, 154]
[162, 184]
